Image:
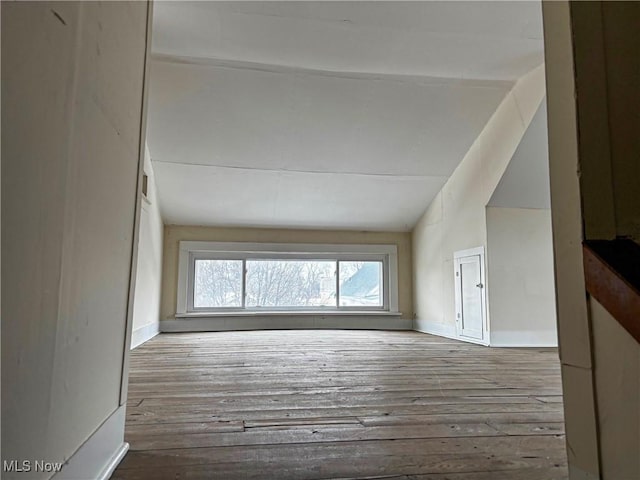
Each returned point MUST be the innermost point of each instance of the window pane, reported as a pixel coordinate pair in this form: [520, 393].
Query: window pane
[218, 283]
[291, 283]
[361, 284]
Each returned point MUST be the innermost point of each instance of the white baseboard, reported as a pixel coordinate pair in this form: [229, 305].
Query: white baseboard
[433, 328]
[444, 330]
[143, 334]
[222, 324]
[524, 338]
[504, 338]
[99, 456]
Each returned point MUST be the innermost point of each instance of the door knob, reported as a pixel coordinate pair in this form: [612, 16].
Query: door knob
[479, 285]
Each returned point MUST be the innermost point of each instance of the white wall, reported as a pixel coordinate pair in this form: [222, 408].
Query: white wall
[520, 291]
[525, 182]
[455, 220]
[616, 357]
[72, 101]
[589, 48]
[520, 281]
[146, 302]
[574, 329]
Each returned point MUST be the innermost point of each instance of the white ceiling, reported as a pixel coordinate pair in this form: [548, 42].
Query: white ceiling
[324, 114]
[480, 40]
[525, 182]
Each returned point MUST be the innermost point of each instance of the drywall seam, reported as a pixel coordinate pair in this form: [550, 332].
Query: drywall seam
[273, 68]
[293, 170]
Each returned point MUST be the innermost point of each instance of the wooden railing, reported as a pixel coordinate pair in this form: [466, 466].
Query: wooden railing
[612, 276]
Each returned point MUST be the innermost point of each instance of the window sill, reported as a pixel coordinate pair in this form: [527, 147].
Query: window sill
[291, 313]
[238, 321]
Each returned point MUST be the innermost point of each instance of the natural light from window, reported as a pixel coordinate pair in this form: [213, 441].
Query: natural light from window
[287, 284]
[291, 283]
[217, 284]
[236, 277]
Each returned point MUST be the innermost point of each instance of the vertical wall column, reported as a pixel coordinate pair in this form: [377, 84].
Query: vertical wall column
[592, 54]
[72, 98]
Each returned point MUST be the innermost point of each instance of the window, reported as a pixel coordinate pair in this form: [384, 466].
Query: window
[361, 284]
[217, 283]
[227, 277]
[291, 283]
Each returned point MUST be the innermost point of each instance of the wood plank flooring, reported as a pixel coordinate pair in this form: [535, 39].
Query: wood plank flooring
[319, 404]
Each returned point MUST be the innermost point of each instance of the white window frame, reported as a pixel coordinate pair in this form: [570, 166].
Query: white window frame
[191, 251]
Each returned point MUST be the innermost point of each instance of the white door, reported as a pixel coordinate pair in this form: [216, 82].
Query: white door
[470, 311]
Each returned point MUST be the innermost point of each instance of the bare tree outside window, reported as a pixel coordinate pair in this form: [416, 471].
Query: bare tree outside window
[287, 283]
[218, 283]
[291, 283]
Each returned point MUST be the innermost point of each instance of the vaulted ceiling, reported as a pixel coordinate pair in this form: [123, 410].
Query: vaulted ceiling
[525, 182]
[324, 114]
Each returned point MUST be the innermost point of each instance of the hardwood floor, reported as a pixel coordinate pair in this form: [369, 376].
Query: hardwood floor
[312, 404]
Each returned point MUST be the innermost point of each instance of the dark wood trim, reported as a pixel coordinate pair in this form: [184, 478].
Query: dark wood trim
[612, 277]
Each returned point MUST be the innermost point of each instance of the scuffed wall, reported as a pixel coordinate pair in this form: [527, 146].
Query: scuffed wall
[71, 111]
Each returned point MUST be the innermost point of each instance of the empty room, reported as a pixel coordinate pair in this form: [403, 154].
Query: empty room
[320, 240]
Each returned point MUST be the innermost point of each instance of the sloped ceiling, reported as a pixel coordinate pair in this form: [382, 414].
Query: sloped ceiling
[525, 182]
[324, 114]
